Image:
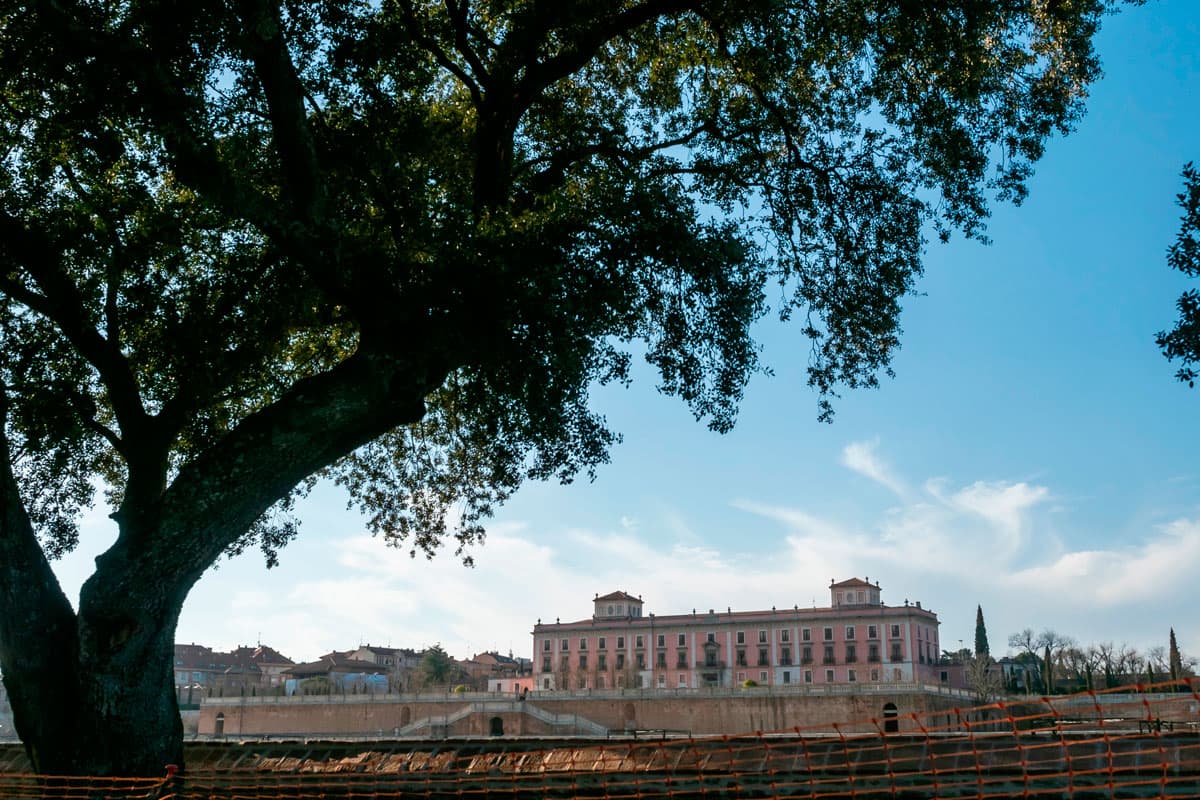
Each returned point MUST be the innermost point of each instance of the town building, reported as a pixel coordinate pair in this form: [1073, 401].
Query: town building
[200, 670]
[856, 639]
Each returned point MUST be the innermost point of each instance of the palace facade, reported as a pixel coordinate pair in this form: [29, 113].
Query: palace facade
[856, 639]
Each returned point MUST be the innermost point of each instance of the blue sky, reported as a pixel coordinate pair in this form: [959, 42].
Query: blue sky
[1033, 454]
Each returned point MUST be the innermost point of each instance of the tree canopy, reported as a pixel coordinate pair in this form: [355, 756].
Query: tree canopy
[1183, 341]
[395, 243]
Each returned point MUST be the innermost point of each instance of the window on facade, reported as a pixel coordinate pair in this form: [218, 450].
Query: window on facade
[897, 654]
[808, 676]
[741, 637]
[849, 631]
[610, 611]
[741, 676]
[583, 644]
[851, 676]
[895, 631]
[564, 665]
[545, 645]
[829, 676]
[762, 677]
[785, 656]
[829, 654]
[806, 654]
[620, 642]
[545, 665]
[602, 644]
[564, 645]
[874, 674]
[872, 632]
[762, 636]
[662, 660]
[945, 676]
[641, 660]
[601, 682]
[662, 679]
[762, 657]
[662, 640]
[851, 654]
[741, 658]
[620, 661]
[681, 660]
[872, 652]
[682, 639]
[710, 659]
[583, 660]
[828, 634]
[787, 676]
[638, 642]
[582, 681]
[683, 680]
[602, 661]
[806, 634]
[620, 608]
[785, 635]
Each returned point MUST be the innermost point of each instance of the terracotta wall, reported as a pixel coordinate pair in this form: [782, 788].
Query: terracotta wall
[740, 713]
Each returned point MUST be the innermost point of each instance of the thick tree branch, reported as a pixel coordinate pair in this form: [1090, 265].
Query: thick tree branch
[267, 50]
[214, 499]
[63, 304]
[38, 647]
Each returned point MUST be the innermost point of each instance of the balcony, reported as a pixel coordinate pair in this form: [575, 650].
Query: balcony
[873, 658]
[829, 660]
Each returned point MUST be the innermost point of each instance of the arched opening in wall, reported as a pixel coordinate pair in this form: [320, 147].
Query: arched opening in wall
[496, 727]
[891, 721]
[219, 728]
[405, 716]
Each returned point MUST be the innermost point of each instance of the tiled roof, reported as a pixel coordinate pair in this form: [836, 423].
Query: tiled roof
[335, 662]
[244, 659]
[853, 583]
[618, 595]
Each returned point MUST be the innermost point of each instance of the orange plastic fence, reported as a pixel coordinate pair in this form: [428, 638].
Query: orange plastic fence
[1139, 741]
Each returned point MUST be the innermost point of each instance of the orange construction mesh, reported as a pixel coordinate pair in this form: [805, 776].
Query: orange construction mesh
[1133, 742]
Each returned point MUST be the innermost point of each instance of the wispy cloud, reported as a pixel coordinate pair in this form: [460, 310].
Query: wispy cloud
[863, 459]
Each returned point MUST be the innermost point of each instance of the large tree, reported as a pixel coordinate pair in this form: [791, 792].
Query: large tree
[1183, 341]
[248, 243]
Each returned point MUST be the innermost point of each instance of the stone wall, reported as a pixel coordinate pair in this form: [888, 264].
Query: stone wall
[744, 711]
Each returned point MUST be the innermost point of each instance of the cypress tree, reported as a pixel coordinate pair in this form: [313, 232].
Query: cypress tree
[981, 642]
[1176, 659]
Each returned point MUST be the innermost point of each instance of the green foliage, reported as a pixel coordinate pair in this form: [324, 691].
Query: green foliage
[437, 667]
[749, 683]
[1183, 341]
[981, 640]
[491, 206]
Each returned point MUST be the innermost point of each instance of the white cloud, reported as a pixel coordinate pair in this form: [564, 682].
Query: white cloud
[861, 457]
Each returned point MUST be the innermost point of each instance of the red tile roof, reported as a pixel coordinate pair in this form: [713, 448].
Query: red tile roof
[852, 583]
[619, 595]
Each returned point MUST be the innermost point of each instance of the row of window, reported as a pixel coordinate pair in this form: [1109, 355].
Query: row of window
[849, 656]
[785, 635]
[682, 679]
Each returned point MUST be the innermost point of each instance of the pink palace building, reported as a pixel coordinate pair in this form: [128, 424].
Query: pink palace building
[856, 639]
